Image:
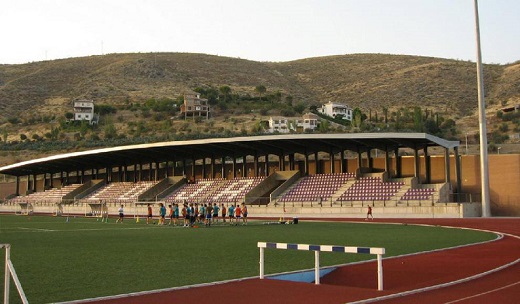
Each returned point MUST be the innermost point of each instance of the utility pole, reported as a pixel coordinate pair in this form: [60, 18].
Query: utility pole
[484, 169]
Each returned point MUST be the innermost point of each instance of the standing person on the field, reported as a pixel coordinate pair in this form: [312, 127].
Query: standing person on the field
[176, 214]
[244, 214]
[149, 217]
[202, 213]
[186, 215]
[170, 214]
[223, 213]
[209, 213]
[192, 214]
[238, 214]
[121, 215]
[369, 213]
[231, 213]
[215, 212]
[162, 213]
[196, 212]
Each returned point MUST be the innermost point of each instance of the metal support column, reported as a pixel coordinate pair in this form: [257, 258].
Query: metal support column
[193, 168]
[370, 160]
[458, 170]
[244, 166]
[266, 164]
[417, 164]
[234, 175]
[255, 165]
[331, 158]
[291, 161]
[17, 186]
[398, 163]
[223, 167]
[387, 163]
[306, 163]
[342, 164]
[427, 166]
[204, 167]
[447, 166]
[213, 172]
[317, 163]
[359, 159]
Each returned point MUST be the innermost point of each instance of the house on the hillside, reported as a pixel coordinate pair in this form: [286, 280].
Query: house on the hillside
[278, 124]
[84, 110]
[308, 123]
[195, 106]
[334, 110]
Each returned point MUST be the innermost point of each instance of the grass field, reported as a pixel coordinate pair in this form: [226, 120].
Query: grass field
[59, 261]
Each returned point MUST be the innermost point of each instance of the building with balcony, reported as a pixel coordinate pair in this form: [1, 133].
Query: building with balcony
[308, 123]
[195, 106]
[84, 110]
[334, 109]
[278, 124]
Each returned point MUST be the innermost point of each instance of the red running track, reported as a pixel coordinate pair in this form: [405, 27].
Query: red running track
[358, 282]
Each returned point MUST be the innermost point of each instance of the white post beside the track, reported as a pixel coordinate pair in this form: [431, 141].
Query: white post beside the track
[262, 262]
[379, 272]
[317, 267]
[11, 273]
[7, 272]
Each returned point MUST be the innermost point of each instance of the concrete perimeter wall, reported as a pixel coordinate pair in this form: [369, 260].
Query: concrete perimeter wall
[439, 210]
[449, 210]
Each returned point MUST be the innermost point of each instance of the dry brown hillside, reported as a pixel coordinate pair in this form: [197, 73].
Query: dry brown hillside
[136, 77]
[373, 81]
[368, 81]
[360, 80]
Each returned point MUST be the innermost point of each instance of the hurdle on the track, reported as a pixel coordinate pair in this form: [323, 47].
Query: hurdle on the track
[325, 248]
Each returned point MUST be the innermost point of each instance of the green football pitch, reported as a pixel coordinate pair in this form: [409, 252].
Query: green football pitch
[60, 260]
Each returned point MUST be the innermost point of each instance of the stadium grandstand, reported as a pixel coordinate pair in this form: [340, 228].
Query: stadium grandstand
[336, 174]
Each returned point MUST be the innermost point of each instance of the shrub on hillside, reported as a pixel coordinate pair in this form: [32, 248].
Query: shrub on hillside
[13, 120]
[510, 116]
[102, 109]
[498, 137]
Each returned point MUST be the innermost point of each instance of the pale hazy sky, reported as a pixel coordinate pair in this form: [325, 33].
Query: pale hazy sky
[263, 30]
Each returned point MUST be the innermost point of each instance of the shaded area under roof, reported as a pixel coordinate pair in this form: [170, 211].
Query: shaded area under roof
[224, 147]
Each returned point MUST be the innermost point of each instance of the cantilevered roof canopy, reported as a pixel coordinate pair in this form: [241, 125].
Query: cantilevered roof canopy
[224, 147]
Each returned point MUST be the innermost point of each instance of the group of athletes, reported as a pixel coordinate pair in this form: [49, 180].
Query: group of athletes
[194, 213]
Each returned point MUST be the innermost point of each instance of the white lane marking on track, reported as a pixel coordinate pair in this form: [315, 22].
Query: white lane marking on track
[483, 293]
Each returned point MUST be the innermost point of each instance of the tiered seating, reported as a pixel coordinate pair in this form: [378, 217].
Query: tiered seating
[53, 195]
[370, 189]
[316, 187]
[418, 194]
[235, 190]
[120, 192]
[192, 193]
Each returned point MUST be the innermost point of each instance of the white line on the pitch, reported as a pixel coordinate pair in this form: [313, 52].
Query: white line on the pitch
[72, 230]
[36, 229]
